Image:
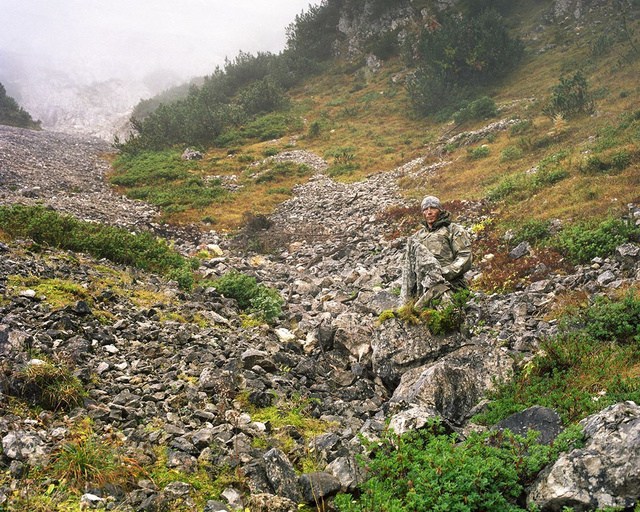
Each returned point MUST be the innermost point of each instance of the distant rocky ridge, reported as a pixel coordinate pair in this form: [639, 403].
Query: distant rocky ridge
[337, 272]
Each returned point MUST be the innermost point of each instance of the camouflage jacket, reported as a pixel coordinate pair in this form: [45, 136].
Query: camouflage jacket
[437, 254]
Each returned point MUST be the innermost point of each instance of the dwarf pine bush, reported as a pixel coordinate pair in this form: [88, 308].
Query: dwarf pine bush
[430, 470]
[141, 250]
[251, 296]
[584, 241]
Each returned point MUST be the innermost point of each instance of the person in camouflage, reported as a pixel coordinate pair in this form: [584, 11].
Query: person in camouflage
[436, 258]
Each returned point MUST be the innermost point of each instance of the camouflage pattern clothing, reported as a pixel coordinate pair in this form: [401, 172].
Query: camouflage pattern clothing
[435, 261]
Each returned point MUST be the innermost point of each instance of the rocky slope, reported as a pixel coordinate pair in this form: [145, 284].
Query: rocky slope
[180, 371]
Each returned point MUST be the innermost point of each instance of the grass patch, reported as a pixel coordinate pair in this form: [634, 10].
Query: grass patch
[57, 292]
[164, 180]
[49, 385]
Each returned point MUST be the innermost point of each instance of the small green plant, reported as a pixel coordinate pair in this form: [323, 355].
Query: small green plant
[511, 153]
[387, 314]
[478, 153]
[448, 317]
[86, 459]
[521, 127]
[615, 162]
[440, 317]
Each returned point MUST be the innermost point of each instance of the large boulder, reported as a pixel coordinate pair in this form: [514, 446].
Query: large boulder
[455, 383]
[397, 348]
[604, 473]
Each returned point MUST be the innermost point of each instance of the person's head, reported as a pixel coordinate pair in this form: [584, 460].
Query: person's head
[431, 209]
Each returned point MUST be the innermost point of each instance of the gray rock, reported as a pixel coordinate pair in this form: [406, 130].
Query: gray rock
[23, 446]
[455, 383]
[605, 473]
[317, 487]
[541, 419]
[281, 475]
[348, 472]
[522, 249]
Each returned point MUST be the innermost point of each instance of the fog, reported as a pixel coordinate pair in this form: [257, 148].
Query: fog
[51, 48]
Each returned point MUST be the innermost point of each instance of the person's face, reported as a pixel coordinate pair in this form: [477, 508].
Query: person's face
[430, 214]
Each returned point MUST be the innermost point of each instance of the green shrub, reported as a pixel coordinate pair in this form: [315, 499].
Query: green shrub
[521, 127]
[478, 153]
[482, 108]
[597, 164]
[587, 240]
[610, 320]
[511, 153]
[271, 126]
[570, 97]
[449, 317]
[428, 470]
[270, 151]
[251, 296]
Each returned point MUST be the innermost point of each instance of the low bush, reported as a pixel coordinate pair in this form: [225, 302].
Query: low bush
[478, 153]
[250, 295]
[571, 97]
[599, 164]
[47, 227]
[430, 470]
[590, 239]
[511, 153]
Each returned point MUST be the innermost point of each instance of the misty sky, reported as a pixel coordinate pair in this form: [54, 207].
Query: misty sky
[100, 39]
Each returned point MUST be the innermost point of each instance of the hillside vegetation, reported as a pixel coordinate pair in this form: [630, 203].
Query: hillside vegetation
[570, 151]
[12, 114]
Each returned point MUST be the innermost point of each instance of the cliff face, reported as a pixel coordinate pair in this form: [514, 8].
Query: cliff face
[360, 23]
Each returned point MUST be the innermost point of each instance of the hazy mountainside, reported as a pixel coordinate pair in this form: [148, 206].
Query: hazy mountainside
[75, 104]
